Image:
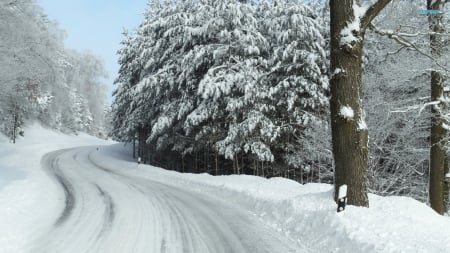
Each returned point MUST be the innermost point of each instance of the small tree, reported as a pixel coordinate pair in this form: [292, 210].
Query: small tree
[17, 104]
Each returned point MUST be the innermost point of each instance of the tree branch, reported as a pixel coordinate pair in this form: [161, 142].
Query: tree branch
[373, 11]
[406, 43]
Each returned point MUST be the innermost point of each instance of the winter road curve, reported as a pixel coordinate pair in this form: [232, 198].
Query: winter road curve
[105, 209]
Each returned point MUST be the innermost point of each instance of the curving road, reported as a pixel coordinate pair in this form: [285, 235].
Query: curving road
[108, 210]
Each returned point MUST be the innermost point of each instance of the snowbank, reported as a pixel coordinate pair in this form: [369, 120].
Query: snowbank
[27, 195]
[307, 213]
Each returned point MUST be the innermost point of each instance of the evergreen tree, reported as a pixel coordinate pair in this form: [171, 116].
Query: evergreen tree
[296, 81]
[218, 77]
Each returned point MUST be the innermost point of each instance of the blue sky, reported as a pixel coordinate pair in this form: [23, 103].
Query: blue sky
[96, 25]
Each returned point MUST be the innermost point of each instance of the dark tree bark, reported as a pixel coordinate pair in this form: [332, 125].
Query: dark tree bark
[438, 131]
[349, 134]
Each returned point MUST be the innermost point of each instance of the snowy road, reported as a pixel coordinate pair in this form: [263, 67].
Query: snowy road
[107, 209]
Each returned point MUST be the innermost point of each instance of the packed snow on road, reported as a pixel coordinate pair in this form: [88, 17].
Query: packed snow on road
[62, 193]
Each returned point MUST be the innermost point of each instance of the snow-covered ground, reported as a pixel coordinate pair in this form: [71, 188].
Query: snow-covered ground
[307, 213]
[28, 197]
[30, 201]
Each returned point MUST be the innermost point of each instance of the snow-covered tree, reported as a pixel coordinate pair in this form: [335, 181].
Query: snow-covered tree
[296, 81]
[127, 78]
[400, 163]
[32, 50]
[394, 95]
[227, 92]
[222, 78]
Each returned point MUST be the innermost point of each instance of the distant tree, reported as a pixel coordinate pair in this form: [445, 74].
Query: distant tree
[32, 49]
[122, 128]
[16, 108]
[439, 122]
[394, 97]
[427, 42]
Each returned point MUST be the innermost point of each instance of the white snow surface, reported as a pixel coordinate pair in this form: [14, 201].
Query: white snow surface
[28, 197]
[304, 214]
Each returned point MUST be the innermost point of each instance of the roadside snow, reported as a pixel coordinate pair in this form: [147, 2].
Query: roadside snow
[27, 195]
[307, 213]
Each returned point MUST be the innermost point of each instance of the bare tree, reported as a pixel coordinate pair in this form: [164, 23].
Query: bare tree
[348, 23]
[435, 51]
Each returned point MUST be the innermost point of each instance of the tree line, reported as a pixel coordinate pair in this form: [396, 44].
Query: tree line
[215, 86]
[44, 81]
[244, 86]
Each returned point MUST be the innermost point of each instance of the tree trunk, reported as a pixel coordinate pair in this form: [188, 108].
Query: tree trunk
[182, 163]
[262, 168]
[350, 141]
[134, 147]
[446, 187]
[438, 131]
[14, 130]
[217, 163]
[196, 161]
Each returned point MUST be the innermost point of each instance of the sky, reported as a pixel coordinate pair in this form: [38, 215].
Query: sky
[96, 26]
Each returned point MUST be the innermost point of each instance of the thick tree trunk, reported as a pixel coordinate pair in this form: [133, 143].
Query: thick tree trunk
[438, 131]
[437, 151]
[350, 137]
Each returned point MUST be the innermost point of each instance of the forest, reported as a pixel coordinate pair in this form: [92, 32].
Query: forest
[243, 87]
[252, 87]
[44, 81]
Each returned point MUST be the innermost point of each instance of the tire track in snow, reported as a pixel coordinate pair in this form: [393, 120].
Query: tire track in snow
[109, 210]
[56, 172]
[112, 209]
[79, 212]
